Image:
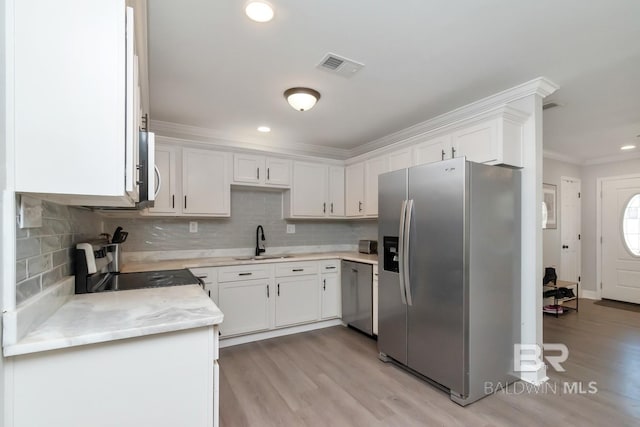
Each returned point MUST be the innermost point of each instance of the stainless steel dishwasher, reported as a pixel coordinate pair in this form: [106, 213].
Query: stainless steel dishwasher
[357, 299]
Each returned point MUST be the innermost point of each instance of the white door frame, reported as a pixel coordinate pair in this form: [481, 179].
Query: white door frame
[599, 183]
[561, 222]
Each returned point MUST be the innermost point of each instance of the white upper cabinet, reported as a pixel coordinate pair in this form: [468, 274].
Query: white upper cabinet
[166, 163]
[254, 170]
[308, 195]
[336, 191]
[191, 182]
[373, 168]
[433, 150]
[73, 73]
[496, 140]
[399, 159]
[278, 172]
[355, 190]
[317, 191]
[205, 183]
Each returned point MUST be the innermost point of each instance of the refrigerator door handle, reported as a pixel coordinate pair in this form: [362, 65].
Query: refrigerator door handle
[403, 214]
[405, 252]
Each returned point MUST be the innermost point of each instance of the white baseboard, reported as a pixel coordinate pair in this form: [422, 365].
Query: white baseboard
[589, 294]
[228, 342]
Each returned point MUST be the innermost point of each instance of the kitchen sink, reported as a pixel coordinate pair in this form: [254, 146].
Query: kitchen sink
[260, 257]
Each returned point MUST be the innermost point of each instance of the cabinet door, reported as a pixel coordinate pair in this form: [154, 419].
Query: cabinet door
[278, 172]
[373, 168]
[354, 204]
[479, 143]
[336, 191]
[309, 190]
[209, 275]
[165, 181]
[245, 305]
[433, 150]
[330, 288]
[296, 300]
[399, 159]
[248, 169]
[205, 183]
[68, 70]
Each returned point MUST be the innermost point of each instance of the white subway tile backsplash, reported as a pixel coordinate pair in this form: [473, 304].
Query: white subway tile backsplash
[28, 247]
[38, 264]
[27, 289]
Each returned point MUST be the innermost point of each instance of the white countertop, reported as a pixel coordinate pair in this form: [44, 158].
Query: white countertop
[107, 316]
[171, 264]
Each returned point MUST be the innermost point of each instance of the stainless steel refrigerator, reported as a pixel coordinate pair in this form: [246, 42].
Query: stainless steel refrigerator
[448, 304]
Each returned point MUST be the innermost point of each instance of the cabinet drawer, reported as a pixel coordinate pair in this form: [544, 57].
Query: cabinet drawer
[330, 266]
[243, 272]
[296, 268]
[207, 274]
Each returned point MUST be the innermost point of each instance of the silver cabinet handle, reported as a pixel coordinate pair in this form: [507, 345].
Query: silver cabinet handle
[185, 202]
[324, 207]
[324, 284]
[453, 152]
[245, 274]
[268, 174]
[359, 206]
[258, 173]
[403, 215]
[278, 289]
[331, 207]
[330, 267]
[442, 155]
[297, 269]
[267, 291]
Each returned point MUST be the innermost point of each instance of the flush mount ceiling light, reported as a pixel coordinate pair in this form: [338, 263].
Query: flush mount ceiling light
[302, 98]
[264, 129]
[259, 11]
[628, 147]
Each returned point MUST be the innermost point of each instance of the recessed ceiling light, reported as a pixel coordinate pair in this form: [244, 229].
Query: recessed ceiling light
[259, 11]
[628, 147]
[264, 129]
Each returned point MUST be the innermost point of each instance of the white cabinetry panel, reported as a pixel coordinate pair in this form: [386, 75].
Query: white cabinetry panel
[296, 300]
[309, 191]
[336, 191]
[166, 162]
[205, 182]
[373, 168]
[355, 189]
[245, 305]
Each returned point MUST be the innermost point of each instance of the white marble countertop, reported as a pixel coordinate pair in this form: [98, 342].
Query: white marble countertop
[108, 316]
[170, 264]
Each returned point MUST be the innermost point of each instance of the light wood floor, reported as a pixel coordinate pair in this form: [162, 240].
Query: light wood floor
[332, 377]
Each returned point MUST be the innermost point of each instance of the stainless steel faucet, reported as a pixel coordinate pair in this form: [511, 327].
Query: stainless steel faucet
[259, 233]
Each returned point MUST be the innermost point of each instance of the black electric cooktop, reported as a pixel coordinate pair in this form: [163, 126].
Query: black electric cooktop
[147, 279]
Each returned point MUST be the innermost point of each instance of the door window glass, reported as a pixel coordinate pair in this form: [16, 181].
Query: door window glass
[631, 225]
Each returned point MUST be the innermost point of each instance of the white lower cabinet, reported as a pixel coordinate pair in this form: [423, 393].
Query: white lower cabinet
[266, 296]
[330, 300]
[296, 300]
[209, 276]
[245, 305]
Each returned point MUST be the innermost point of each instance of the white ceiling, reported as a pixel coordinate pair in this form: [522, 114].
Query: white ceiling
[213, 68]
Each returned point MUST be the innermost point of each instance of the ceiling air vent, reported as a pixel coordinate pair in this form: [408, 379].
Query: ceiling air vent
[339, 65]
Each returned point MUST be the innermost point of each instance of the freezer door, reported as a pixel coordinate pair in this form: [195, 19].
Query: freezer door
[437, 264]
[392, 308]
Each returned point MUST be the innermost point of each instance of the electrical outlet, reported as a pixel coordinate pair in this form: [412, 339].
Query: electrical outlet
[193, 226]
[291, 228]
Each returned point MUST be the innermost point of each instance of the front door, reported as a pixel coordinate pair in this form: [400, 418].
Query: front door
[621, 239]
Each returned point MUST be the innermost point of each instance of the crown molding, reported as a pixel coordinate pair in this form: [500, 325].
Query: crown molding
[540, 86]
[212, 138]
[611, 159]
